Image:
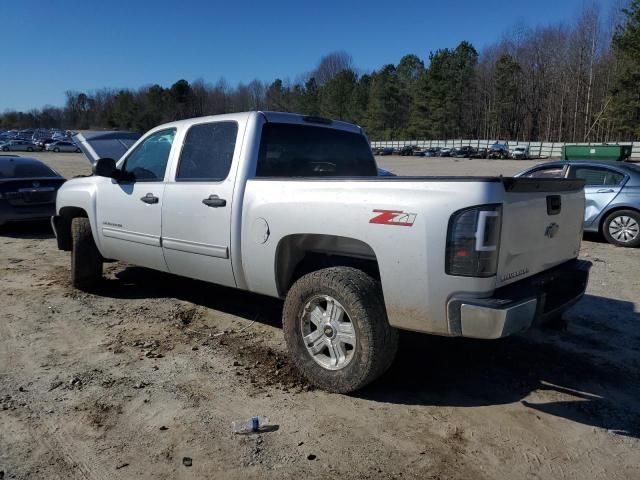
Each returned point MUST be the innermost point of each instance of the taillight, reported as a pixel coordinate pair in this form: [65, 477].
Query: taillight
[473, 240]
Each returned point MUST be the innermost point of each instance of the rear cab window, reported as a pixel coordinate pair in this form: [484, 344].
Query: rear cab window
[291, 150]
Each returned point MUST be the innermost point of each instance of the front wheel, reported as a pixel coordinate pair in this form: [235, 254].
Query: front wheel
[336, 329]
[622, 228]
[86, 261]
[30, 149]
[5, 149]
[56, 150]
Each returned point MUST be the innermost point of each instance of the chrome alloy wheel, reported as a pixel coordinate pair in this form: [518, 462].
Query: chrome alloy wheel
[624, 229]
[328, 333]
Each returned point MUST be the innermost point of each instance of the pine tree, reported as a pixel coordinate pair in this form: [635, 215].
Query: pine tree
[626, 91]
[335, 95]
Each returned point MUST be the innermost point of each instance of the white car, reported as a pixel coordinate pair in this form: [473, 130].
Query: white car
[62, 146]
[520, 153]
[292, 207]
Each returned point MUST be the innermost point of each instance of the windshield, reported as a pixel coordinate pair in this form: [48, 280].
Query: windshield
[288, 150]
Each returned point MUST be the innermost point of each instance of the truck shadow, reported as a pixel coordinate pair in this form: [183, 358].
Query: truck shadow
[32, 230]
[137, 282]
[588, 374]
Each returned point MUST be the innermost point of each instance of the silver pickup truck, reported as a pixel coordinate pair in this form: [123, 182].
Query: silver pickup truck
[292, 207]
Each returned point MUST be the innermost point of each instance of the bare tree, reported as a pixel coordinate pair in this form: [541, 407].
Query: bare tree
[330, 65]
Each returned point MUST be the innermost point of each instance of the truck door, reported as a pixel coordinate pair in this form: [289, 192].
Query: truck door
[129, 210]
[196, 212]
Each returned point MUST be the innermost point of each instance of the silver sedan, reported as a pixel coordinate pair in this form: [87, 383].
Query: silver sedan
[62, 146]
[612, 195]
[19, 146]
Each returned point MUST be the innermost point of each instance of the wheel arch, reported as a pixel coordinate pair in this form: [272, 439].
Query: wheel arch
[299, 254]
[62, 225]
[616, 208]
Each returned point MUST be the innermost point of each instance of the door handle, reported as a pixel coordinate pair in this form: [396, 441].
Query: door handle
[149, 198]
[605, 190]
[214, 201]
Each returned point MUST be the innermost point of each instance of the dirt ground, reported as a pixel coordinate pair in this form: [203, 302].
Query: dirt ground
[150, 369]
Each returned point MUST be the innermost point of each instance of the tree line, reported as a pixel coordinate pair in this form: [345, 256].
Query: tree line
[566, 82]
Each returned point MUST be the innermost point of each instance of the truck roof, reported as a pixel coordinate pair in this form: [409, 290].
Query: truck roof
[275, 117]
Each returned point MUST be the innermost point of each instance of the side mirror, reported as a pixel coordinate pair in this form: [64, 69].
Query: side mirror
[106, 167]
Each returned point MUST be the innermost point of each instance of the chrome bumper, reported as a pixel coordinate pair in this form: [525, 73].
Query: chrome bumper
[521, 305]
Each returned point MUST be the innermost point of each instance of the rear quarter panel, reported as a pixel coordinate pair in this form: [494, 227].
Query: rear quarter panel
[410, 258]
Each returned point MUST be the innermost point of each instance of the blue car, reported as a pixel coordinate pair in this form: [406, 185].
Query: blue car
[612, 194]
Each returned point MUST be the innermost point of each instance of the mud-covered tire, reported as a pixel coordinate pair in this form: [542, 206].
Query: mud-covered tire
[86, 261]
[362, 300]
[627, 221]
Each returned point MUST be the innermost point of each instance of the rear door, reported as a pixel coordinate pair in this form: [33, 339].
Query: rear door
[196, 213]
[602, 185]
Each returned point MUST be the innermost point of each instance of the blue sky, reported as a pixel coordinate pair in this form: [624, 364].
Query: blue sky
[52, 46]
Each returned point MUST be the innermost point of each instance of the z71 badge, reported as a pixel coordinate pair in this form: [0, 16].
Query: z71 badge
[394, 217]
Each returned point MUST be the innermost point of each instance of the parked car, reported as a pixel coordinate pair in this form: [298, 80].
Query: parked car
[431, 152]
[463, 152]
[445, 152]
[498, 150]
[62, 146]
[410, 150]
[43, 142]
[257, 201]
[480, 153]
[27, 189]
[386, 151]
[19, 146]
[520, 153]
[612, 194]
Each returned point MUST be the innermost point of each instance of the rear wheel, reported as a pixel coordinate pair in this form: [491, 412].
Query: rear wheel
[5, 149]
[30, 149]
[336, 329]
[622, 228]
[86, 261]
[56, 150]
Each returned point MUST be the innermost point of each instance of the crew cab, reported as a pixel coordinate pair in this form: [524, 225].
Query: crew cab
[293, 207]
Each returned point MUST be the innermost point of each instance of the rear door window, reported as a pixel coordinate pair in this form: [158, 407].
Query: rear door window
[597, 175]
[207, 152]
[290, 150]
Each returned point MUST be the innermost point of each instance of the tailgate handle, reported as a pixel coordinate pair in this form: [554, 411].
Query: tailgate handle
[554, 204]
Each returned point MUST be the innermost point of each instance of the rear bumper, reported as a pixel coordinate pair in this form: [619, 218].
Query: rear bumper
[10, 213]
[521, 305]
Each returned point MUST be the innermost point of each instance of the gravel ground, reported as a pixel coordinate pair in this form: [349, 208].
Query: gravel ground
[148, 372]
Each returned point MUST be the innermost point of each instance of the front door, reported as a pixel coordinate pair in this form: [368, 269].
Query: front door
[130, 210]
[196, 212]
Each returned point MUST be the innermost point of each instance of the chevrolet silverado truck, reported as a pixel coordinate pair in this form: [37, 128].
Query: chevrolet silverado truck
[292, 207]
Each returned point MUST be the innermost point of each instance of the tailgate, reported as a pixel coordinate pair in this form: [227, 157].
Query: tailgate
[541, 226]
